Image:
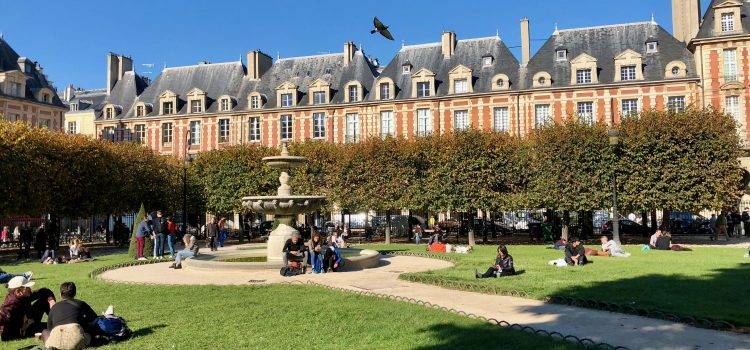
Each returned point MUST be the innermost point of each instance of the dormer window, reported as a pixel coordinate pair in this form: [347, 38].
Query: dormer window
[561, 55]
[195, 106]
[353, 93]
[406, 69]
[675, 70]
[652, 47]
[254, 102]
[225, 105]
[486, 61]
[727, 22]
[319, 97]
[385, 91]
[73, 107]
[460, 86]
[286, 100]
[423, 89]
[627, 73]
[167, 107]
[109, 113]
[140, 110]
[583, 76]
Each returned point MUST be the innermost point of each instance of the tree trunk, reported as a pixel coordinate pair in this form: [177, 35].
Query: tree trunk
[471, 232]
[387, 227]
[644, 222]
[653, 221]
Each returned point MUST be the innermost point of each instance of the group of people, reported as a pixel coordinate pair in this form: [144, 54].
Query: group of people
[71, 323]
[159, 229]
[322, 254]
[730, 223]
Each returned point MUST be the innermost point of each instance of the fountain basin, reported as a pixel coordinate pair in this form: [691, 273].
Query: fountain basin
[354, 259]
[283, 205]
[284, 162]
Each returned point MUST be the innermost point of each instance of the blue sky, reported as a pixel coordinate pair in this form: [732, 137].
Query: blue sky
[71, 38]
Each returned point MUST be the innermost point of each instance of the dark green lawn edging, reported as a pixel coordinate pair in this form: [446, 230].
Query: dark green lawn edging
[441, 281]
[98, 271]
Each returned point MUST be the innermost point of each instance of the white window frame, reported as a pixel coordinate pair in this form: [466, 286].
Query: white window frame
[224, 130]
[353, 93]
[727, 22]
[387, 124]
[166, 133]
[319, 125]
[254, 129]
[286, 99]
[652, 47]
[423, 89]
[139, 133]
[167, 107]
[500, 119]
[351, 132]
[424, 122]
[405, 69]
[629, 107]
[730, 65]
[319, 97]
[676, 103]
[627, 72]
[561, 55]
[387, 87]
[224, 104]
[254, 102]
[460, 86]
[194, 133]
[196, 106]
[73, 107]
[73, 127]
[140, 110]
[542, 115]
[583, 76]
[285, 127]
[585, 112]
[461, 120]
[487, 61]
[732, 107]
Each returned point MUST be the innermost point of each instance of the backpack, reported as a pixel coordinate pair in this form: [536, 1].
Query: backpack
[113, 328]
[287, 271]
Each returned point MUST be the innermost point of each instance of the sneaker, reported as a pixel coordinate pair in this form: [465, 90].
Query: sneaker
[177, 267]
[142, 259]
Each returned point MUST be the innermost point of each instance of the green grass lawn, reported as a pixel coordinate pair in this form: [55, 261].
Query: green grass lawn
[706, 282]
[272, 317]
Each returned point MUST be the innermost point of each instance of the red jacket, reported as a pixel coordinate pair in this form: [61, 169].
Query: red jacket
[171, 227]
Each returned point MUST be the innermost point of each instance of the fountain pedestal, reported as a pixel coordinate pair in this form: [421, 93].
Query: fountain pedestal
[278, 238]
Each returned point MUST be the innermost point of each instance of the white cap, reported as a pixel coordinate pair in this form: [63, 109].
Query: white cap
[110, 311]
[19, 281]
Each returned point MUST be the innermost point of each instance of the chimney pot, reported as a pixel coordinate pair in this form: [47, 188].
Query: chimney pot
[349, 50]
[525, 42]
[448, 44]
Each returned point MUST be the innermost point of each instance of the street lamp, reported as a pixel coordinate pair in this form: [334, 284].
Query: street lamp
[614, 141]
[184, 184]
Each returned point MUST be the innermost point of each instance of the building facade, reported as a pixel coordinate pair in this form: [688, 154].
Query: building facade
[595, 74]
[25, 93]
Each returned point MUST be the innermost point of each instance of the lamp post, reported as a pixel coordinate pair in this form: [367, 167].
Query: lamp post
[184, 184]
[614, 141]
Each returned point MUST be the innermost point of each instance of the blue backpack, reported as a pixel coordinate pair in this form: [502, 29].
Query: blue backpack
[113, 328]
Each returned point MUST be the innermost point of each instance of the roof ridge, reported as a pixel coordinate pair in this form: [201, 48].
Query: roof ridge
[607, 26]
[201, 64]
[311, 56]
[417, 46]
[492, 37]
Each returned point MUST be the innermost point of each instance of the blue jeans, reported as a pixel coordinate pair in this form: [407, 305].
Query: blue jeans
[183, 254]
[159, 245]
[170, 244]
[49, 253]
[5, 277]
[417, 239]
[222, 237]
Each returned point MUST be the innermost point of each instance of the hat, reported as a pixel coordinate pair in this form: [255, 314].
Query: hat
[19, 281]
[110, 311]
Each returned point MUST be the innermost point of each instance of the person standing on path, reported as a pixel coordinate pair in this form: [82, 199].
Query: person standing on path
[212, 230]
[721, 226]
[746, 222]
[160, 230]
[144, 229]
[417, 234]
[40, 240]
[25, 238]
[171, 235]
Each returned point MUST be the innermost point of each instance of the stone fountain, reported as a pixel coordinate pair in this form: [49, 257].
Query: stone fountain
[284, 205]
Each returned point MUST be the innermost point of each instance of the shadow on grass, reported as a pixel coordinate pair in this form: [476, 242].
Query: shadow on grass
[720, 295]
[486, 336]
[147, 330]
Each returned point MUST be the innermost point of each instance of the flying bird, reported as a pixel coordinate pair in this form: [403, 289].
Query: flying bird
[381, 28]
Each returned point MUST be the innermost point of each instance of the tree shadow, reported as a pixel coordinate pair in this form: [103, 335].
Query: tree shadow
[147, 330]
[486, 336]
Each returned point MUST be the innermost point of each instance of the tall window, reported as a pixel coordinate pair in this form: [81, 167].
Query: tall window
[353, 93]
[730, 65]
[139, 111]
[72, 128]
[139, 133]
[460, 120]
[583, 76]
[254, 129]
[286, 100]
[424, 122]
[167, 107]
[319, 97]
[727, 22]
[627, 73]
[542, 115]
[352, 128]
[194, 137]
[732, 107]
[629, 107]
[108, 113]
[586, 112]
[319, 125]
[286, 127]
[224, 106]
[423, 89]
[500, 119]
[385, 91]
[196, 106]
[676, 103]
[255, 102]
[387, 127]
[73, 107]
[223, 130]
[460, 86]
[166, 133]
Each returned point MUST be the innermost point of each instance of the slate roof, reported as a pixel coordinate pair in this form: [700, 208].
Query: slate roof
[89, 99]
[35, 80]
[214, 79]
[303, 71]
[605, 43]
[706, 29]
[468, 52]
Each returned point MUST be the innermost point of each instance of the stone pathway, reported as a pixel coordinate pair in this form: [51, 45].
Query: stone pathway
[630, 331]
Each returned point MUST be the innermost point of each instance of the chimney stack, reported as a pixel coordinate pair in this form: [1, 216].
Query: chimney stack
[686, 19]
[117, 65]
[349, 50]
[448, 44]
[257, 64]
[525, 42]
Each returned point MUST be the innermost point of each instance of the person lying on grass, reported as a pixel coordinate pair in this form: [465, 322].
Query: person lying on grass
[610, 247]
[5, 277]
[503, 265]
[22, 311]
[575, 253]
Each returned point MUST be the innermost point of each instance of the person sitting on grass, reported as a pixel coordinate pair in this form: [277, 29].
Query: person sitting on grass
[191, 250]
[662, 240]
[435, 238]
[71, 322]
[575, 253]
[610, 247]
[6, 277]
[78, 251]
[22, 311]
[503, 265]
[294, 252]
